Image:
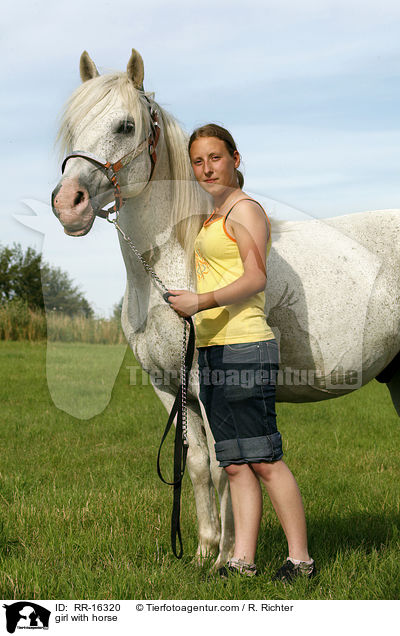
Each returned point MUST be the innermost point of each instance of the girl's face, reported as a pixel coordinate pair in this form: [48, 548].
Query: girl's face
[213, 166]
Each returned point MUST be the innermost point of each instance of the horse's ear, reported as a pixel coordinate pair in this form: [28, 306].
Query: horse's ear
[87, 67]
[135, 69]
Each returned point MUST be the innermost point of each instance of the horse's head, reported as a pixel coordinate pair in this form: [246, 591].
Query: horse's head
[106, 119]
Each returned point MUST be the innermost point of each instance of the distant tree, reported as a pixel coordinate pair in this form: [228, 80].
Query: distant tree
[20, 275]
[25, 276]
[117, 310]
[59, 293]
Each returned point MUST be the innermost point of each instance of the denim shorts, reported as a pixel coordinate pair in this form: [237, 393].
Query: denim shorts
[238, 388]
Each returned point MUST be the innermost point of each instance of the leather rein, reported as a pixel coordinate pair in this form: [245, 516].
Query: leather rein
[111, 170]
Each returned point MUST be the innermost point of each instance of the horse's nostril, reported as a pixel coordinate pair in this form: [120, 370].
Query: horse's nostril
[79, 197]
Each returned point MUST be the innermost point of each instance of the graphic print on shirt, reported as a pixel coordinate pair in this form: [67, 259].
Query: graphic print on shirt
[202, 266]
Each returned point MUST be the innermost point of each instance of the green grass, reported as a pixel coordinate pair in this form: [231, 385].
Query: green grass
[80, 378]
[84, 515]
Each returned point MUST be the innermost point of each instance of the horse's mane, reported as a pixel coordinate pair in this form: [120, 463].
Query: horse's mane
[190, 205]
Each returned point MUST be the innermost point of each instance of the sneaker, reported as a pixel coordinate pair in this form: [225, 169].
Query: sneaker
[237, 567]
[290, 571]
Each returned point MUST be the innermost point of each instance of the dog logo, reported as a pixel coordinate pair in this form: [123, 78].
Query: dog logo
[26, 615]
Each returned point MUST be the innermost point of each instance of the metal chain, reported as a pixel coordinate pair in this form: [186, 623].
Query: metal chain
[147, 267]
[183, 384]
[152, 273]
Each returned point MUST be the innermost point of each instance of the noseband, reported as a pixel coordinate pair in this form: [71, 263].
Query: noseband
[110, 170]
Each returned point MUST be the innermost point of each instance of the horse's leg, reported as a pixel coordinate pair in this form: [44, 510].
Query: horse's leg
[394, 387]
[221, 483]
[198, 464]
[391, 377]
[199, 467]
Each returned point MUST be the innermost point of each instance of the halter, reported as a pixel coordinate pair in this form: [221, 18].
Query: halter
[110, 170]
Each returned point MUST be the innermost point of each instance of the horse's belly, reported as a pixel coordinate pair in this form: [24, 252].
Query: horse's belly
[320, 287]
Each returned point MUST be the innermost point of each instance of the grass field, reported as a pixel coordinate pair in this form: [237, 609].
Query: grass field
[84, 515]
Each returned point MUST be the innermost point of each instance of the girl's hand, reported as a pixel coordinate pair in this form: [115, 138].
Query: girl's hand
[184, 302]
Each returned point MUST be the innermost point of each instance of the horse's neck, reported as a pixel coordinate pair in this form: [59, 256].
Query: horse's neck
[146, 220]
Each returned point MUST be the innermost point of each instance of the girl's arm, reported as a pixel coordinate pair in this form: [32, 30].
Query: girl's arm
[251, 233]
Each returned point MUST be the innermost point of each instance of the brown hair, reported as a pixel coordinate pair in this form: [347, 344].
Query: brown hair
[213, 130]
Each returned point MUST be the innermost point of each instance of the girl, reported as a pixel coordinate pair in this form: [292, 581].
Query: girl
[238, 355]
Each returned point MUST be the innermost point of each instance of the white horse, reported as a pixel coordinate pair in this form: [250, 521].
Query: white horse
[333, 289]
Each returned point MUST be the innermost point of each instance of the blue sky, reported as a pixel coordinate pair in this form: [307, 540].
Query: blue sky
[310, 91]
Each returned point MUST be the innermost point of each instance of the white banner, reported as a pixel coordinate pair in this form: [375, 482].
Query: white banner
[124, 618]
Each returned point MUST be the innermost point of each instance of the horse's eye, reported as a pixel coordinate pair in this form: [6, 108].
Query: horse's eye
[125, 127]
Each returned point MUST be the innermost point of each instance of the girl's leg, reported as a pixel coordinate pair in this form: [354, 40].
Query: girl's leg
[286, 499]
[247, 509]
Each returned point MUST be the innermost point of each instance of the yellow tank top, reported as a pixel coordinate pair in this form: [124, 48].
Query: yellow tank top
[218, 263]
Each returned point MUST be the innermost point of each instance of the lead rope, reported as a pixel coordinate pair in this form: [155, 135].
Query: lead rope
[181, 443]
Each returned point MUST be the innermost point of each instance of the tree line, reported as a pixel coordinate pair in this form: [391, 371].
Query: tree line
[24, 276]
